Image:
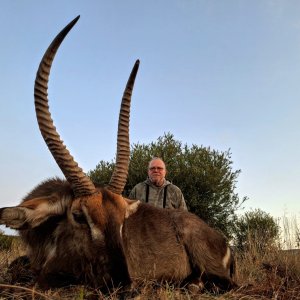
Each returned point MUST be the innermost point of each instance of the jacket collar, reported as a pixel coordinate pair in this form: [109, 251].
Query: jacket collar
[148, 182]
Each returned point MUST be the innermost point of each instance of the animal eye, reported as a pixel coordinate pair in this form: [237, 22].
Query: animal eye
[79, 217]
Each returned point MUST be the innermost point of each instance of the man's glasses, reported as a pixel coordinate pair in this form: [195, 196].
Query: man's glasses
[156, 168]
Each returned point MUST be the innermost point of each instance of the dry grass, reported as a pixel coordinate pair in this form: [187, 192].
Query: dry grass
[269, 274]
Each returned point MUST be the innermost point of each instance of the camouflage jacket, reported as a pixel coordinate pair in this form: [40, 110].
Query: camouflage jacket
[174, 196]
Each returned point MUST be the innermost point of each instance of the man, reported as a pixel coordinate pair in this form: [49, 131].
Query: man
[156, 190]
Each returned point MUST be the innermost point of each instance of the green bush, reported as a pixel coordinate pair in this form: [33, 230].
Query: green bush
[256, 229]
[204, 175]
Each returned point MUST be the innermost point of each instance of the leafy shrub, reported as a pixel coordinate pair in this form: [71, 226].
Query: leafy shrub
[256, 229]
[204, 175]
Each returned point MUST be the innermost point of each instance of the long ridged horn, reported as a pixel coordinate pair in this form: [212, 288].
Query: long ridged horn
[80, 182]
[119, 176]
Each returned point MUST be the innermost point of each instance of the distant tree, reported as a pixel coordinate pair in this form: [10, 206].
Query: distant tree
[256, 229]
[205, 177]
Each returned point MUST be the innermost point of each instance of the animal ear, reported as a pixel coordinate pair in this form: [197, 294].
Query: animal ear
[132, 206]
[31, 213]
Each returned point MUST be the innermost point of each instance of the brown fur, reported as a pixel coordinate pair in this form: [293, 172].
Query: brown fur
[174, 245]
[105, 239]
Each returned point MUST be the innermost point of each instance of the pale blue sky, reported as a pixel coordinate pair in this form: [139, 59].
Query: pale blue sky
[224, 74]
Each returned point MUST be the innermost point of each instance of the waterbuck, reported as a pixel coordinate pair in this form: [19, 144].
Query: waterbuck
[76, 232]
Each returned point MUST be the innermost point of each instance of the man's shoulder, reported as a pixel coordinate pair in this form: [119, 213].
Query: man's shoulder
[137, 191]
[173, 187]
[140, 185]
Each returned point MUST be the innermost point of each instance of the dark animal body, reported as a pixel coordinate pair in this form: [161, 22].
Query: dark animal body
[132, 241]
[79, 233]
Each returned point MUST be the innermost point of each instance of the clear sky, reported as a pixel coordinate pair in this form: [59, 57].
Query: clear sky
[224, 74]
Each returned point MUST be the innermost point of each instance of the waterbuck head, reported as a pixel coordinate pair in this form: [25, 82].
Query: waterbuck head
[66, 243]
